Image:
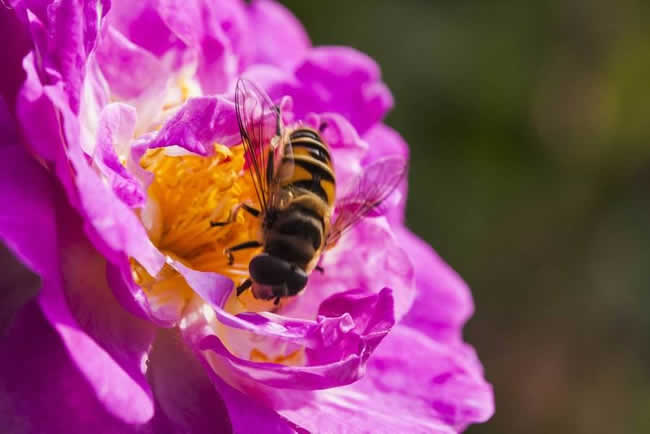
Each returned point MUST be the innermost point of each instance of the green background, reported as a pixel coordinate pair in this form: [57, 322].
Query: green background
[529, 127]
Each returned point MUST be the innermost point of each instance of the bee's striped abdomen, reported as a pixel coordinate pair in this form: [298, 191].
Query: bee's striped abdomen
[312, 165]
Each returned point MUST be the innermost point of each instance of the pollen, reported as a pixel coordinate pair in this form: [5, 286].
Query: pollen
[294, 358]
[187, 193]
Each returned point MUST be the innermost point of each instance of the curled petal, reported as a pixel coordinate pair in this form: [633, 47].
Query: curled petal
[72, 28]
[116, 128]
[344, 343]
[94, 96]
[313, 335]
[440, 389]
[110, 224]
[200, 123]
[32, 103]
[113, 227]
[131, 296]
[371, 319]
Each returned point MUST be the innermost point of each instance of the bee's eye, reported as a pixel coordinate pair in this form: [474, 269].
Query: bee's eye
[268, 270]
[273, 271]
[296, 280]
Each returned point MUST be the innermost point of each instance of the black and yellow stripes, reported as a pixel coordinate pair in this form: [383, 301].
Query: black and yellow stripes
[312, 162]
[308, 142]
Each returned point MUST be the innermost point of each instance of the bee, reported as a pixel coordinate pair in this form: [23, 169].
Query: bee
[295, 185]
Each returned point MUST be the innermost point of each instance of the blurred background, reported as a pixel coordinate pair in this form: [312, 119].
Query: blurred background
[529, 127]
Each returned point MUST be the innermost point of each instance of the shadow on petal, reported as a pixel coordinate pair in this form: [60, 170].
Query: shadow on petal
[41, 388]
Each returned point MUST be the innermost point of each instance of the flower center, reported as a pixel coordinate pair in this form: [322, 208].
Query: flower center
[187, 193]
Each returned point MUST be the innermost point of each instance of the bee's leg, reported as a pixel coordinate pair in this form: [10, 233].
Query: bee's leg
[251, 210]
[233, 214]
[244, 286]
[323, 126]
[320, 269]
[242, 246]
[277, 300]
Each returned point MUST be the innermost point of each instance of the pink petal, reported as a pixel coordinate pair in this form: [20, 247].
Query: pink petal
[42, 387]
[111, 225]
[15, 48]
[443, 302]
[27, 190]
[141, 23]
[186, 399]
[384, 141]
[345, 81]
[199, 124]
[367, 257]
[92, 302]
[116, 54]
[215, 32]
[344, 342]
[285, 41]
[29, 225]
[116, 127]
[412, 384]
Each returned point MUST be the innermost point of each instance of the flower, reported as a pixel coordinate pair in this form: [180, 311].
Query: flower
[120, 145]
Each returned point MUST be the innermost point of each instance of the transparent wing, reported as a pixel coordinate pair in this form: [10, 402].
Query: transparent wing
[283, 170]
[260, 126]
[366, 195]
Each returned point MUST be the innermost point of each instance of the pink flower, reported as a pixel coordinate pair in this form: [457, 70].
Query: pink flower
[120, 145]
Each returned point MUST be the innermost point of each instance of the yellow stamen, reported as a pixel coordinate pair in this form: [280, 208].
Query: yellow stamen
[190, 192]
[293, 358]
[187, 193]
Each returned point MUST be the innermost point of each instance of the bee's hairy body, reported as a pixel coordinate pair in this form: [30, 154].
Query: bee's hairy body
[295, 230]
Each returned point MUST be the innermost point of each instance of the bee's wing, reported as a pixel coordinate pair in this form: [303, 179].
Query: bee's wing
[283, 166]
[260, 126]
[366, 195]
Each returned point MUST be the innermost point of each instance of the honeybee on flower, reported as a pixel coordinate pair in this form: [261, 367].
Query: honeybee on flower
[295, 186]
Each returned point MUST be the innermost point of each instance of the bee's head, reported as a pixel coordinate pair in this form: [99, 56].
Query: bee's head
[282, 277]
